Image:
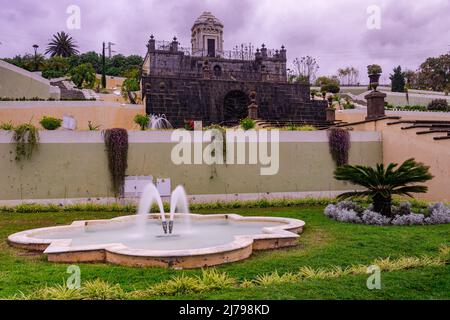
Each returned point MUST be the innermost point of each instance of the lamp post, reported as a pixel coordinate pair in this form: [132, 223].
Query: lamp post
[35, 46]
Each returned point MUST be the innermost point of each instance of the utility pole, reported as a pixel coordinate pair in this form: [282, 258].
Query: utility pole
[110, 50]
[103, 68]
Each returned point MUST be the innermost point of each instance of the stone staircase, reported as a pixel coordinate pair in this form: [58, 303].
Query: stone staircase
[433, 126]
[68, 90]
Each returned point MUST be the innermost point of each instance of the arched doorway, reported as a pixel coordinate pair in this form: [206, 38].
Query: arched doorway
[235, 105]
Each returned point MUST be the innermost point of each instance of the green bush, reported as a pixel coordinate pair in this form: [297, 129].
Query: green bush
[142, 120]
[248, 124]
[415, 108]
[294, 127]
[50, 123]
[331, 88]
[389, 106]
[8, 126]
[438, 105]
[83, 76]
[348, 105]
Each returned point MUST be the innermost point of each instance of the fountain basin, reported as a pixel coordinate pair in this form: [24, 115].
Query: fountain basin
[198, 240]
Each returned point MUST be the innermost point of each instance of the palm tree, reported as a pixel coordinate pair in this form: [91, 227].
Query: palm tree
[382, 183]
[62, 45]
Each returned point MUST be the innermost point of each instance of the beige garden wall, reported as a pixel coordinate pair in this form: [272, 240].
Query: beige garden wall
[72, 165]
[106, 114]
[400, 145]
[16, 82]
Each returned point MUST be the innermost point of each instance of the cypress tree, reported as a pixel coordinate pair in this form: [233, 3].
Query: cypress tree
[398, 80]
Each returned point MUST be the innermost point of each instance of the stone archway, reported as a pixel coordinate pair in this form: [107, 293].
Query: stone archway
[235, 105]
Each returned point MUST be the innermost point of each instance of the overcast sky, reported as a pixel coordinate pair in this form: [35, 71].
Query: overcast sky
[334, 32]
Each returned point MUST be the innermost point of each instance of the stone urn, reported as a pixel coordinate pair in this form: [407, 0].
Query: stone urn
[374, 81]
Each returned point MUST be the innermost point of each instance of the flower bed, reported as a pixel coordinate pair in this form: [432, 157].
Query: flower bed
[348, 211]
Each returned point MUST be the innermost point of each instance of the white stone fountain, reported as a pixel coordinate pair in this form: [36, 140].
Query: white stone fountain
[159, 122]
[150, 195]
[195, 241]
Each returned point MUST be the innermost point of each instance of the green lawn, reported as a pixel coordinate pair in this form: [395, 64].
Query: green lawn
[324, 243]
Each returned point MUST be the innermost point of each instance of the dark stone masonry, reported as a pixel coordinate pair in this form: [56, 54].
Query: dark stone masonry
[209, 84]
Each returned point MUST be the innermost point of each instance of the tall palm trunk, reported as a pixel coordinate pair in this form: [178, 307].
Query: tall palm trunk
[382, 205]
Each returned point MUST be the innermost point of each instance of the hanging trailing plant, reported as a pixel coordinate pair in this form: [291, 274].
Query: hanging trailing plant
[26, 138]
[116, 141]
[339, 141]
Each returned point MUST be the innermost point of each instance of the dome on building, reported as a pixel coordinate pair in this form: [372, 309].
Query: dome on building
[207, 18]
[207, 36]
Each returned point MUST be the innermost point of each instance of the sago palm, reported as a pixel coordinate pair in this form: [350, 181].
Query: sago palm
[381, 183]
[62, 45]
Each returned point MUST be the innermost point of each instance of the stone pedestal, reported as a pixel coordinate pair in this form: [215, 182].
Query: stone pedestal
[375, 105]
[253, 107]
[331, 114]
[253, 111]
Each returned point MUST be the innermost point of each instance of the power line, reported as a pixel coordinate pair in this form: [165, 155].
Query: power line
[110, 51]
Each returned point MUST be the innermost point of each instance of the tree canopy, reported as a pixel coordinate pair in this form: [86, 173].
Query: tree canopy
[62, 45]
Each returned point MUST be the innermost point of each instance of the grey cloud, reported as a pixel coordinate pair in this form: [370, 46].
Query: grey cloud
[334, 32]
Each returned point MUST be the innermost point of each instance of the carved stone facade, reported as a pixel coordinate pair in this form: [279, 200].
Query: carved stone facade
[210, 84]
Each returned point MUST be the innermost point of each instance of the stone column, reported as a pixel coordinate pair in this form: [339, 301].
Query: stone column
[174, 45]
[206, 70]
[375, 105]
[151, 44]
[283, 55]
[253, 107]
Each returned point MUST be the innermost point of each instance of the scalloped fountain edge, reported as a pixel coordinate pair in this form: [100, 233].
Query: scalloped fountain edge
[60, 250]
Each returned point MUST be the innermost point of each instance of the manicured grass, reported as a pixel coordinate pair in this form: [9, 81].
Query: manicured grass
[323, 244]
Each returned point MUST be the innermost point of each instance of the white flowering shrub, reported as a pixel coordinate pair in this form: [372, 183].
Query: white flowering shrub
[350, 205]
[375, 218]
[439, 214]
[348, 216]
[350, 212]
[403, 209]
[409, 220]
[331, 211]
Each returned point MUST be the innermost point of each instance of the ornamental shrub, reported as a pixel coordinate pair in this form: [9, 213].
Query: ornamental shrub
[50, 123]
[438, 105]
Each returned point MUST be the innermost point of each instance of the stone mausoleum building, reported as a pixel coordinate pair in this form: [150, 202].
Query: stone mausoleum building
[208, 83]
